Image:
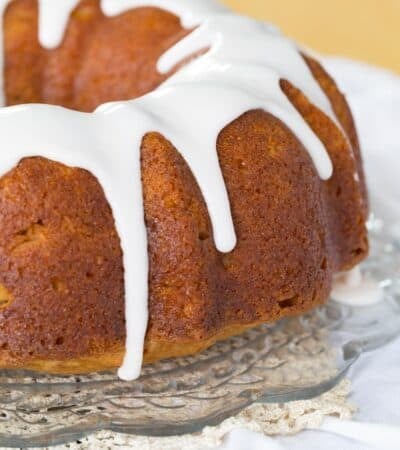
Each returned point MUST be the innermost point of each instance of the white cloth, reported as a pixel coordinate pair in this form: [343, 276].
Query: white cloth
[374, 96]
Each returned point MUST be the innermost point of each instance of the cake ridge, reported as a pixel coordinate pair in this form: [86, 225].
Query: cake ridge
[233, 77]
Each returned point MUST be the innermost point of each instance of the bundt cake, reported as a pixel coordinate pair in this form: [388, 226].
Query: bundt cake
[172, 174]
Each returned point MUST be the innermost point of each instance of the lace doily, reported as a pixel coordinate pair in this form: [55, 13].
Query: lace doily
[267, 418]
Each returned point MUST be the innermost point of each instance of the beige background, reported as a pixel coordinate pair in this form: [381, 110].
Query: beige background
[363, 29]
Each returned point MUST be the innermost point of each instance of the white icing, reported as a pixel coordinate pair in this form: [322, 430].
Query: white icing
[53, 19]
[352, 288]
[105, 145]
[240, 72]
[238, 63]
[191, 13]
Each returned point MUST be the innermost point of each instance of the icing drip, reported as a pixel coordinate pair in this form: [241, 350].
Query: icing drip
[241, 72]
[84, 140]
[191, 13]
[238, 63]
[53, 21]
[351, 288]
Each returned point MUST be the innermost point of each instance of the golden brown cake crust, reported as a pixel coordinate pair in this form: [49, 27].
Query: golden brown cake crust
[61, 273]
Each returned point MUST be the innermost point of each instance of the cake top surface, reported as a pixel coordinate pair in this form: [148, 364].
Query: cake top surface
[240, 71]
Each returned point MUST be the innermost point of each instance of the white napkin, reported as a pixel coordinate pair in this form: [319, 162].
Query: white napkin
[374, 96]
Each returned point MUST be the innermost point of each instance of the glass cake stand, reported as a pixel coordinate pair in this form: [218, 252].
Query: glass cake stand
[294, 359]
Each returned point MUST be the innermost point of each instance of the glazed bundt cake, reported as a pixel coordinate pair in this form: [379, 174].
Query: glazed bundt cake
[196, 175]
